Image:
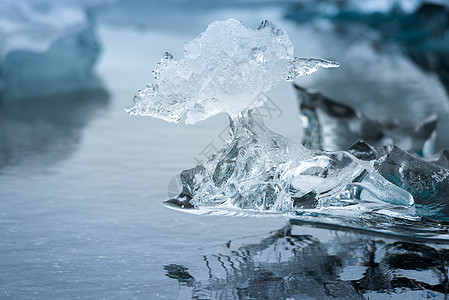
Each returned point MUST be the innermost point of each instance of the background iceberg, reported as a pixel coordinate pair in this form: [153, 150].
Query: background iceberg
[329, 125]
[47, 48]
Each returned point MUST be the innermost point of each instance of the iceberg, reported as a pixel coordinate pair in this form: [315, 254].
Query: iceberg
[418, 27]
[47, 130]
[46, 48]
[33, 26]
[227, 69]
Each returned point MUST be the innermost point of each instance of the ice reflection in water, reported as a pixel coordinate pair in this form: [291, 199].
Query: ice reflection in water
[292, 264]
[46, 130]
[49, 90]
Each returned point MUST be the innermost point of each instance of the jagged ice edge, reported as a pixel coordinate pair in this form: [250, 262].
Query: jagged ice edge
[146, 104]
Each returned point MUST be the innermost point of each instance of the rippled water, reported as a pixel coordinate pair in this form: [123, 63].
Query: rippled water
[81, 194]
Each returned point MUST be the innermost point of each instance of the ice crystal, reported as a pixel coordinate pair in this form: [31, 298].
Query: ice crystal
[264, 172]
[224, 69]
[227, 69]
[330, 125]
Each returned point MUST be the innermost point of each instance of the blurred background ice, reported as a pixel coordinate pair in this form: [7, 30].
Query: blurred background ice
[81, 183]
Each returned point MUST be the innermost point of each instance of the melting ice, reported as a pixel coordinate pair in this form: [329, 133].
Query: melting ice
[330, 125]
[227, 69]
[263, 171]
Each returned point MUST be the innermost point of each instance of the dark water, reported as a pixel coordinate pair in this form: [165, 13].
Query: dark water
[296, 262]
[82, 184]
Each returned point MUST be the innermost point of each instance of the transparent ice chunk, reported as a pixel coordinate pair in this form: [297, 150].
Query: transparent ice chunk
[224, 69]
[427, 180]
[261, 171]
[329, 125]
[227, 69]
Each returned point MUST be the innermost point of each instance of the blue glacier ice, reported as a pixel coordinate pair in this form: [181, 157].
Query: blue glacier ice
[46, 48]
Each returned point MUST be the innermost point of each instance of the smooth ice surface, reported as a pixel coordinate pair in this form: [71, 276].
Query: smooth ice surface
[225, 69]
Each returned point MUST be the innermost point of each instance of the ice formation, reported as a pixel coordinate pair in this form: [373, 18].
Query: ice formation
[426, 180]
[264, 172]
[297, 263]
[29, 25]
[47, 47]
[329, 125]
[225, 69]
[418, 27]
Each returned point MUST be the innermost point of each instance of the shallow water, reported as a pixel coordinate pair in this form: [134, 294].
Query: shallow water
[81, 211]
